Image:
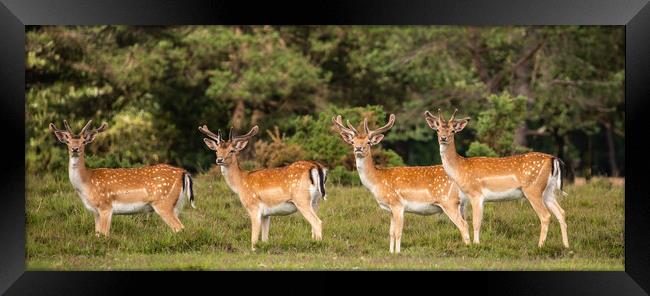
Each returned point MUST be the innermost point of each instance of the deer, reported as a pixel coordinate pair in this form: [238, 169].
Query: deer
[535, 176]
[422, 190]
[268, 192]
[123, 191]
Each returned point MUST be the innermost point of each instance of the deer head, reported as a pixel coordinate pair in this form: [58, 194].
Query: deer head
[361, 142]
[226, 149]
[76, 142]
[445, 129]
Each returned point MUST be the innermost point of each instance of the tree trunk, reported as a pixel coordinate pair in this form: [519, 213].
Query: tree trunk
[523, 73]
[237, 119]
[611, 150]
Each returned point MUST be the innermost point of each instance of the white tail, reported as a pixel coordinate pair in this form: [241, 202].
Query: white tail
[188, 190]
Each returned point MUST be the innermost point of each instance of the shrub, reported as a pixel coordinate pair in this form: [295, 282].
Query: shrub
[496, 126]
[339, 175]
[276, 152]
[480, 149]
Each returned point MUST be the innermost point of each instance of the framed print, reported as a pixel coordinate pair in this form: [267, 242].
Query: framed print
[220, 136]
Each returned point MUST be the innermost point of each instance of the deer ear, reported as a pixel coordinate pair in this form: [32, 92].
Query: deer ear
[60, 135]
[432, 121]
[347, 137]
[460, 124]
[240, 145]
[210, 143]
[89, 137]
[375, 139]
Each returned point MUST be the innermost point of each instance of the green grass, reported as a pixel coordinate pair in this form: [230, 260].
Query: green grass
[60, 235]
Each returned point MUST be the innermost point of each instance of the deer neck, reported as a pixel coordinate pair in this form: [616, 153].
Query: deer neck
[77, 172]
[367, 170]
[232, 173]
[451, 161]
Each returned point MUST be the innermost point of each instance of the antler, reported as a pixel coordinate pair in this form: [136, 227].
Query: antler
[204, 129]
[247, 136]
[230, 134]
[453, 115]
[391, 121]
[67, 127]
[442, 118]
[351, 127]
[365, 126]
[54, 128]
[83, 130]
[339, 124]
[100, 129]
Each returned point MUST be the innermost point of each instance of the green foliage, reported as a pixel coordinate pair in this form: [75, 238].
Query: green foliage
[495, 128]
[179, 77]
[260, 67]
[133, 139]
[339, 175]
[480, 149]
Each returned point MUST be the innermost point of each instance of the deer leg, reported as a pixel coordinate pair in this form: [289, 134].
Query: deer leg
[316, 224]
[176, 194]
[463, 207]
[477, 216]
[105, 216]
[256, 220]
[97, 225]
[392, 234]
[534, 196]
[266, 223]
[168, 217]
[453, 211]
[398, 218]
[558, 212]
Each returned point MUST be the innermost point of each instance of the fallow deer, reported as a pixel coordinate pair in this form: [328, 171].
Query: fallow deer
[106, 192]
[422, 190]
[535, 176]
[269, 192]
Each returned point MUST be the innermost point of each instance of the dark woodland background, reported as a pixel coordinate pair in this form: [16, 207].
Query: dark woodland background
[558, 90]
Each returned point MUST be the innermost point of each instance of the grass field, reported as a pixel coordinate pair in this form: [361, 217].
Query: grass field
[60, 234]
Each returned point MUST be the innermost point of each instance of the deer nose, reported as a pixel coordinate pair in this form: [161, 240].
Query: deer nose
[358, 149]
[75, 149]
[443, 138]
[219, 159]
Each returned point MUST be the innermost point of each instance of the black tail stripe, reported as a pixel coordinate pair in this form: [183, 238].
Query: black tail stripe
[553, 168]
[321, 176]
[311, 179]
[191, 188]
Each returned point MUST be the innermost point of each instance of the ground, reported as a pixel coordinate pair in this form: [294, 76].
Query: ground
[60, 234]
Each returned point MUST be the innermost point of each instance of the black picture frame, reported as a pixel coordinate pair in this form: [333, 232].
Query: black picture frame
[16, 14]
